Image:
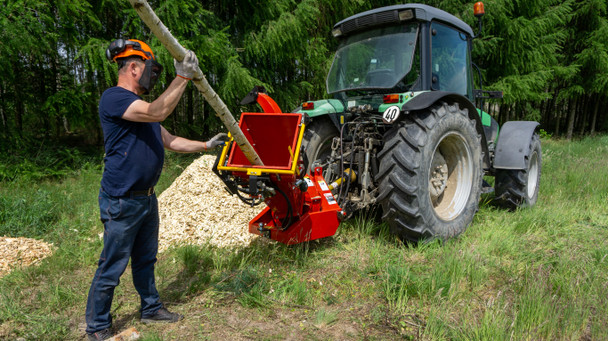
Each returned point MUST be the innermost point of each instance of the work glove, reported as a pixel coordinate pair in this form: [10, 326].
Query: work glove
[218, 140]
[186, 68]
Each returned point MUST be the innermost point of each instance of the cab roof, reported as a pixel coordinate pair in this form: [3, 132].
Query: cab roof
[390, 15]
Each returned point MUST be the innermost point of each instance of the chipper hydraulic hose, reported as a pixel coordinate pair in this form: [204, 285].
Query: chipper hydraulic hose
[178, 52]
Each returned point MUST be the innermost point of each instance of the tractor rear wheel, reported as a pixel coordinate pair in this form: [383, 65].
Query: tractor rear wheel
[430, 173]
[317, 142]
[519, 188]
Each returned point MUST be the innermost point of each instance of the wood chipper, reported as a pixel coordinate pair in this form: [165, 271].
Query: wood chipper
[300, 206]
[405, 132]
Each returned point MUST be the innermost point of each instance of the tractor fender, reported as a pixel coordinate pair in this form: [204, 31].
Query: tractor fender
[329, 107]
[333, 117]
[427, 99]
[514, 144]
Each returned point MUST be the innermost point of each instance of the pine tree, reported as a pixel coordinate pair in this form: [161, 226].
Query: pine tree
[588, 50]
[550, 58]
[520, 50]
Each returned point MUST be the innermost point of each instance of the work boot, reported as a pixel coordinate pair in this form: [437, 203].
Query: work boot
[100, 335]
[162, 315]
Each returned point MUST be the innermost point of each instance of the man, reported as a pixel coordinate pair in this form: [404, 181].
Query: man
[134, 145]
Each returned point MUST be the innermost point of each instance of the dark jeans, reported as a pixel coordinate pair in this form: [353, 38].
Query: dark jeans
[130, 231]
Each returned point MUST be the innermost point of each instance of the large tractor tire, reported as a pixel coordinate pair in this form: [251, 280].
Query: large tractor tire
[519, 188]
[431, 174]
[317, 141]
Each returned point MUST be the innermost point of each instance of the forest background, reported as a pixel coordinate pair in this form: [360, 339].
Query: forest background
[538, 274]
[550, 57]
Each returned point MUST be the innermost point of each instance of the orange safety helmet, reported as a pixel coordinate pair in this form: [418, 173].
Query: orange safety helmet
[121, 48]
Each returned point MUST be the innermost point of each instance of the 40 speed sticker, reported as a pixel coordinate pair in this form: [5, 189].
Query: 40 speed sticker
[391, 114]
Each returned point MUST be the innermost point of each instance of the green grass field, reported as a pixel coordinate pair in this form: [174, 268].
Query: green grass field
[534, 274]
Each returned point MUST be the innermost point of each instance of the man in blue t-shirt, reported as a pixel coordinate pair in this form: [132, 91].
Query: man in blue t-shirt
[134, 143]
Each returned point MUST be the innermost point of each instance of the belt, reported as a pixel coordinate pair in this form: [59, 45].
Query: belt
[143, 193]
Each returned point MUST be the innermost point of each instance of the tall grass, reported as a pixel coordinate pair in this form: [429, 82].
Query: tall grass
[532, 274]
[63, 211]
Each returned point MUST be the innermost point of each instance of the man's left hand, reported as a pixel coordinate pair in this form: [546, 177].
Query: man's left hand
[218, 140]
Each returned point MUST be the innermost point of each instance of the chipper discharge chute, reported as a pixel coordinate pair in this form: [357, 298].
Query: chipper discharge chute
[300, 207]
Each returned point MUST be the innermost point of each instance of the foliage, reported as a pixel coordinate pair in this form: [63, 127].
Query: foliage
[549, 57]
[37, 214]
[44, 161]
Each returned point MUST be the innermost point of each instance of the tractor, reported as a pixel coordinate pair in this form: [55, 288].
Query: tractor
[401, 133]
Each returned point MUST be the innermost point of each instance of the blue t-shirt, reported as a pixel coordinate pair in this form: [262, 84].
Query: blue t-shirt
[134, 150]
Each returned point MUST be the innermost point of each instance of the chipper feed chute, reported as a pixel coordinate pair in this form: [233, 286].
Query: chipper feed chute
[300, 207]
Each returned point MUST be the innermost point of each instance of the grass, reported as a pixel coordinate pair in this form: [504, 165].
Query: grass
[534, 274]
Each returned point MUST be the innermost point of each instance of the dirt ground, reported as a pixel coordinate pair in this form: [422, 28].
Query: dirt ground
[229, 320]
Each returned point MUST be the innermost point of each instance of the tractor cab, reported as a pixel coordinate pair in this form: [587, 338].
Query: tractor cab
[402, 48]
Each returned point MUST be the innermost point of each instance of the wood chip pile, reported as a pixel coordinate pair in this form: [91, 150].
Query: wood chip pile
[15, 252]
[197, 209]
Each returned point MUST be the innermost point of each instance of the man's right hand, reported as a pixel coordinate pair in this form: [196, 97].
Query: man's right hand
[188, 67]
[218, 140]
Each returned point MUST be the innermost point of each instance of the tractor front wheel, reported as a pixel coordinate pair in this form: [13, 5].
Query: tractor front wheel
[430, 173]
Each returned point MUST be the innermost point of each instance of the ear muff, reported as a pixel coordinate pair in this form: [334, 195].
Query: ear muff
[116, 47]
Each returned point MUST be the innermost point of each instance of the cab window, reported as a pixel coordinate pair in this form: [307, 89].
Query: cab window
[449, 59]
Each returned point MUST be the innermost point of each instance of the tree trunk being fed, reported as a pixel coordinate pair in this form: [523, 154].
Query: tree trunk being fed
[178, 52]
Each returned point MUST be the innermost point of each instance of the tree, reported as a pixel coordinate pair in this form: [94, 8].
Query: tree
[548, 56]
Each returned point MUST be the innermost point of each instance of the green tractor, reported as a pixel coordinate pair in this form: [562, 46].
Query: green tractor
[402, 131]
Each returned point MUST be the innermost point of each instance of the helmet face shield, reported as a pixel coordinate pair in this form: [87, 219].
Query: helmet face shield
[150, 75]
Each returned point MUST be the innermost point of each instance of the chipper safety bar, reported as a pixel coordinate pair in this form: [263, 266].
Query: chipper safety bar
[300, 207]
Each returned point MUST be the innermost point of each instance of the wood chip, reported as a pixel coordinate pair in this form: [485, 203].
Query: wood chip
[15, 252]
[130, 334]
[197, 209]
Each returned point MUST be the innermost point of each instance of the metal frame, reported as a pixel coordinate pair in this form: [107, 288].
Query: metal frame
[258, 170]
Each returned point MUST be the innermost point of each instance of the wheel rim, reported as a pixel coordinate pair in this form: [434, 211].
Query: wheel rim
[450, 176]
[533, 175]
[322, 157]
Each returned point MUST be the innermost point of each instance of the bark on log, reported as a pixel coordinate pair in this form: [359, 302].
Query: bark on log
[178, 52]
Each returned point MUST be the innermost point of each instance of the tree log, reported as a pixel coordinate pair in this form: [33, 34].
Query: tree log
[178, 52]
